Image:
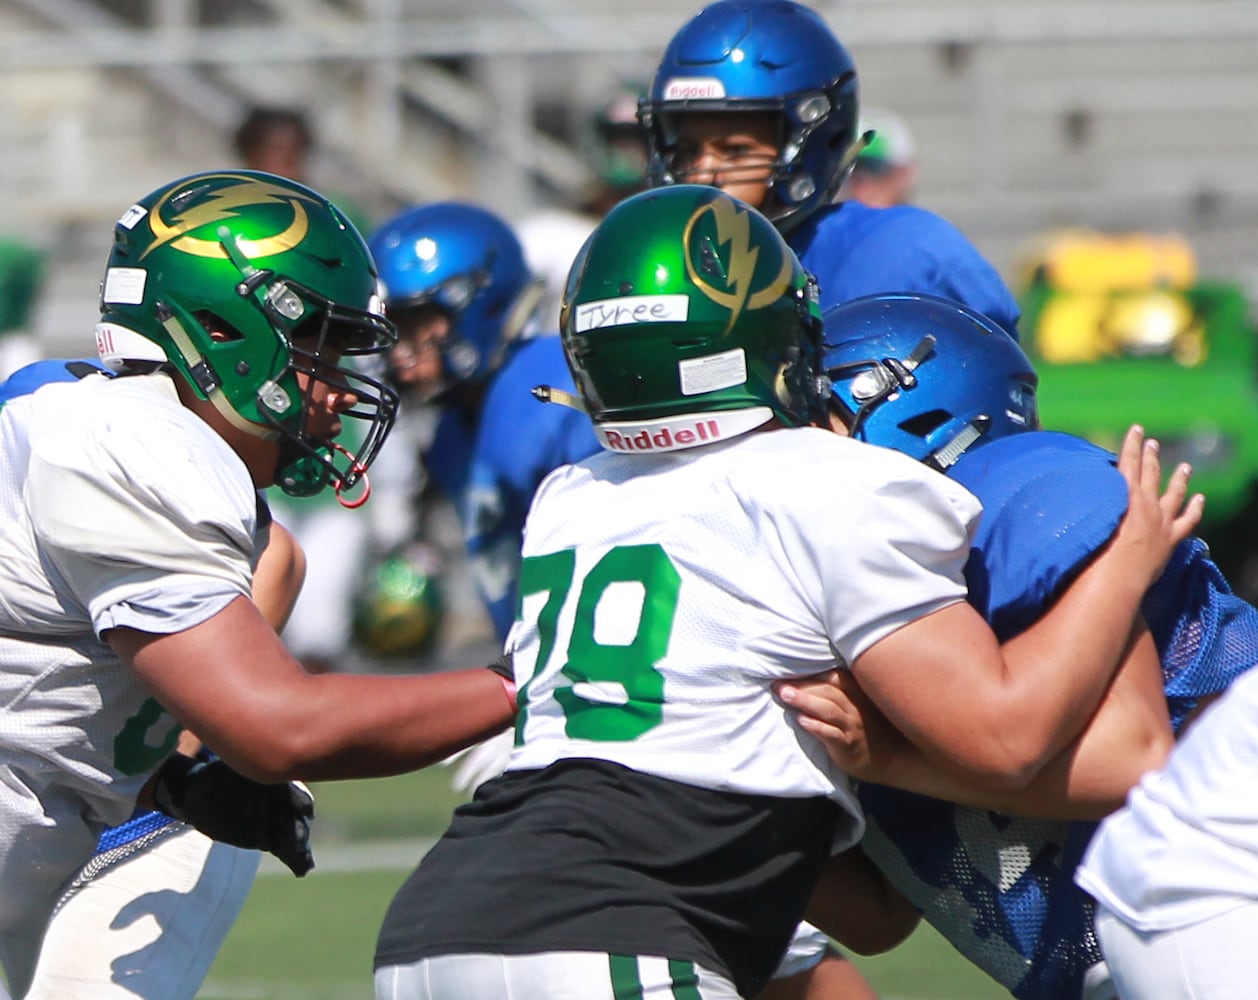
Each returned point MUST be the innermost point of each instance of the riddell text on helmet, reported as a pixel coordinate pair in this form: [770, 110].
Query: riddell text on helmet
[665, 438]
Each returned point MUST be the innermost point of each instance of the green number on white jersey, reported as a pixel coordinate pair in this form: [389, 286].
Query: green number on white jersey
[617, 692]
[141, 745]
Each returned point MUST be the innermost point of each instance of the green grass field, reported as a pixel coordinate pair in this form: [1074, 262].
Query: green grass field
[312, 939]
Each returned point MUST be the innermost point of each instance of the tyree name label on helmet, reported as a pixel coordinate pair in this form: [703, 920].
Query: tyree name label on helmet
[632, 309]
[676, 433]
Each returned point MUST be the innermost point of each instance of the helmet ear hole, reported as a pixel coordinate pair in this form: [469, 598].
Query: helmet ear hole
[923, 425]
[217, 327]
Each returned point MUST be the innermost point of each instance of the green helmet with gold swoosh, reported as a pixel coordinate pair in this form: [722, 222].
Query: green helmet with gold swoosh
[688, 319]
[240, 281]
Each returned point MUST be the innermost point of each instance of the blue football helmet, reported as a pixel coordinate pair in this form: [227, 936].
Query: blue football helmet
[926, 376]
[761, 55]
[468, 262]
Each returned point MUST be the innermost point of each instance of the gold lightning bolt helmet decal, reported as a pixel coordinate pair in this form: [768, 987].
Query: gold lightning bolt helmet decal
[733, 228]
[221, 205]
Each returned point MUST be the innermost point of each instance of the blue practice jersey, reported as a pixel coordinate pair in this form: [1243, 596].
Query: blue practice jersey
[519, 441]
[854, 250]
[490, 463]
[1000, 888]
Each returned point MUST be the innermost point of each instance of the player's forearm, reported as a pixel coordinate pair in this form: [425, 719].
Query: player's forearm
[389, 725]
[1129, 735]
[990, 719]
[1058, 670]
[231, 681]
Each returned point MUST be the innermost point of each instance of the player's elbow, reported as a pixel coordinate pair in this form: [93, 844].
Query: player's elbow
[1004, 763]
[879, 937]
[276, 755]
[1147, 751]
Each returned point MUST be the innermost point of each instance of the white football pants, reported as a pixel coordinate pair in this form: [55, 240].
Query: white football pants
[554, 975]
[147, 926]
[1214, 959]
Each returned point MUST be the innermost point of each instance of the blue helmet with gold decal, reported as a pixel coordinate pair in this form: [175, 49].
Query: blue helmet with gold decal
[239, 281]
[687, 318]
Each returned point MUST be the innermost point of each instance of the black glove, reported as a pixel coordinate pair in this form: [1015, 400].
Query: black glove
[231, 808]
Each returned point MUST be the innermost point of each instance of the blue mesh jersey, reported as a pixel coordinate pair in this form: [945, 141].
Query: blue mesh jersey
[492, 471]
[998, 887]
[855, 250]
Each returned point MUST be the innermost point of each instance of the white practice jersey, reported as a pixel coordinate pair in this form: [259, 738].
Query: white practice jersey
[118, 507]
[1185, 847]
[663, 594]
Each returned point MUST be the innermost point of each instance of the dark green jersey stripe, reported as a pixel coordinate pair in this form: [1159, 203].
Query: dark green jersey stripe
[626, 984]
[685, 979]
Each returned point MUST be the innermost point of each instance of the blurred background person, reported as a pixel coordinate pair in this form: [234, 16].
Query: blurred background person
[281, 140]
[275, 140]
[472, 343]
[552, 236]
[884, 172]
[21, 279]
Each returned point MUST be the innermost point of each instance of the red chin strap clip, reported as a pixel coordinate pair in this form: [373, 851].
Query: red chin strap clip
[351, 503]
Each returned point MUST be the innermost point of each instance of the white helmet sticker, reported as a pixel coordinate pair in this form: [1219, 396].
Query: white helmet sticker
[632, 309]
[132, 215]
[716, 371]
[693, 88]
[124, 285]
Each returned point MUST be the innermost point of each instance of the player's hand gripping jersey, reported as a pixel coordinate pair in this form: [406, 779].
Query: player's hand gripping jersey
[943, 384]
[707, 594]
[661, 808]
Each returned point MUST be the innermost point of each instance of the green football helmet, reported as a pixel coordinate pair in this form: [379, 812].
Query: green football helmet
[240, 281]
[398, 607]
[687, 319]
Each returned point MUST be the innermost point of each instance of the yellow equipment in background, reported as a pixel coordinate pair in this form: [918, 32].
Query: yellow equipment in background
[1116, 295]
